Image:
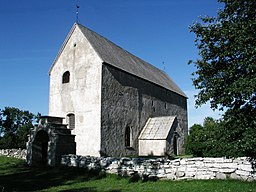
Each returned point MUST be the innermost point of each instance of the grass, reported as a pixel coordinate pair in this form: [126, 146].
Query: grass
[15, 175]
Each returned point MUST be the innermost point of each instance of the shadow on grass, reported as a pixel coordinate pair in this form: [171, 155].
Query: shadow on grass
[24, 178]
[87, 189]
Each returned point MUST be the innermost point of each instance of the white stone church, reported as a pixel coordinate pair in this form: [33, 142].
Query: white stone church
[105, 101]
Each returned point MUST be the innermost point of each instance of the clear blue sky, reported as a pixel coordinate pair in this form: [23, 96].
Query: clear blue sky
[32, 32]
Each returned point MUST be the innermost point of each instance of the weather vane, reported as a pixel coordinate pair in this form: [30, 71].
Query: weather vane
[163, 65]
[77, 11]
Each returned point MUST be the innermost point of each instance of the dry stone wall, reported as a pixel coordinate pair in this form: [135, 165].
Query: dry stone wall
[188, 168]
[16, 153]
[162, 168]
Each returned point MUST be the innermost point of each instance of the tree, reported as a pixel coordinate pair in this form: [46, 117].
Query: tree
[195, 141]
[205, 140]
[226, 70]
[14, 127]
[227, 45]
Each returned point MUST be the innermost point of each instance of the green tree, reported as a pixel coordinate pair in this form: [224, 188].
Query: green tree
[14, 126]
[226, 70]
[195, 141]
[204, 140]
[239, 132]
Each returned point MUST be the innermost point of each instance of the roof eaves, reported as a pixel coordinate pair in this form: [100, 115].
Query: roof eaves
[135, 75]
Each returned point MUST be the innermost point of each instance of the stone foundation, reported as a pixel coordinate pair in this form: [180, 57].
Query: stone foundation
[162, 168]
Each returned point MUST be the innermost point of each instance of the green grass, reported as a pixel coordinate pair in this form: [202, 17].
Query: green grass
[16, 176]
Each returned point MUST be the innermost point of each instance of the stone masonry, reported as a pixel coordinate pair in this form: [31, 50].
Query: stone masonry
[16, 153]
[48, 141]
[128, 101]
[162, 168]
[179, 169]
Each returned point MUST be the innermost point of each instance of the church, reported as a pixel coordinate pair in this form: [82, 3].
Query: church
[105, 101]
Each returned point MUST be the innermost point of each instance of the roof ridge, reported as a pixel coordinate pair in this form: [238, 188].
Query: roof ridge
[117, 56]
[122, 59]
[120, 47]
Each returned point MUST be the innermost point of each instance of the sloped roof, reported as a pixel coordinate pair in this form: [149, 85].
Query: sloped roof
[157, 128]
[114, 55]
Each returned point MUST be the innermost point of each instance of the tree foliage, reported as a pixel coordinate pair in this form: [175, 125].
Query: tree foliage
[204, 140]
[14, 127]
[217, 138]
[239, 132]
[226, 71]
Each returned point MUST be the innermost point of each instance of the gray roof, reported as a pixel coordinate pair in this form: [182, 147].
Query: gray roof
[157, 128]
[114, 55]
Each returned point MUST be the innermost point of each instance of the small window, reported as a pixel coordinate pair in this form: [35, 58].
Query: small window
[66, 77]
[153, 106]
[128, 137]
[71, 121]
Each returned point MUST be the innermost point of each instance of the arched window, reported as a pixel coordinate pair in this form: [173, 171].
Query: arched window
[65, 77]
[128, 136]
[71, 121]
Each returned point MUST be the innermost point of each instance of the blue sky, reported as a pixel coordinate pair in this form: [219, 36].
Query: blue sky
[32, 32]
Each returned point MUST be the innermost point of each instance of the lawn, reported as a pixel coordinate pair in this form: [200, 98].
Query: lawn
[15, 175]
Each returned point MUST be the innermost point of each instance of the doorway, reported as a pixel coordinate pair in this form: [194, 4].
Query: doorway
[40, 148]
[175, 145]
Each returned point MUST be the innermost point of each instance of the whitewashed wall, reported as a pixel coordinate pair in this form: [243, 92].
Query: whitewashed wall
[82, 95]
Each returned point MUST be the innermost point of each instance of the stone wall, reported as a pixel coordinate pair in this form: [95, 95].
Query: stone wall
[16, 153]
[128, 101]
[162, 168]
[82, 95]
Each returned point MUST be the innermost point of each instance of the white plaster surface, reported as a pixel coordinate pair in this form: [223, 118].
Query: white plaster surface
[82, 95]
[152, 147]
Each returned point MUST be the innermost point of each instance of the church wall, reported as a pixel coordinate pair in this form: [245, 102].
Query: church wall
[128, 101]
[81, 95]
